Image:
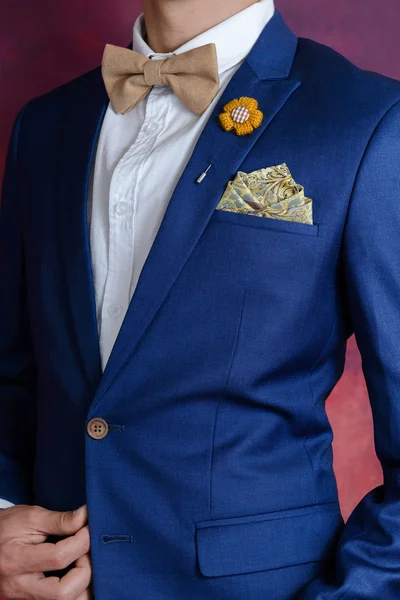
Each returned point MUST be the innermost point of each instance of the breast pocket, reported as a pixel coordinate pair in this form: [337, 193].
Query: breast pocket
[279, 225]
[277, 264]
[260, 252]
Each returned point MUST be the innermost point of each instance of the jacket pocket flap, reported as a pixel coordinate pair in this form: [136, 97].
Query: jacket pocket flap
[267, 541]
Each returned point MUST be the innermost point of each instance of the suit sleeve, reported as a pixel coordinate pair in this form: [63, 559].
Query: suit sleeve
[368, 554]
[17, 361]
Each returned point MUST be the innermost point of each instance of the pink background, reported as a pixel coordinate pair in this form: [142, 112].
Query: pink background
[45, 43]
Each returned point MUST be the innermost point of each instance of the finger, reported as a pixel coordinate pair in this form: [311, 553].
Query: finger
[87, 595]
[34, 586]
[50, 557]
[72, 585]
[84, 561]
[39, 520]
[19, 587]
[78, 578]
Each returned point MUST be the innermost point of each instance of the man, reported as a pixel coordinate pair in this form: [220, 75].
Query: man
[189, 235]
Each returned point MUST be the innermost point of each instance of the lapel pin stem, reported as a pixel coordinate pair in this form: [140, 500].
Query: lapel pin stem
[201, 177]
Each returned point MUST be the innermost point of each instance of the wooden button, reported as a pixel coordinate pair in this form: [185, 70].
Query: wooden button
[97, 428]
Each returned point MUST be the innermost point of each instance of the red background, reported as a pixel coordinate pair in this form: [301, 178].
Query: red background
[45, 43]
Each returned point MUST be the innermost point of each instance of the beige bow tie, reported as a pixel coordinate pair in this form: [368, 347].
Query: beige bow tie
[129, 76]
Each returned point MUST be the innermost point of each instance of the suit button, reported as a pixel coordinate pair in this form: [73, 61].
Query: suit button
[97, 428]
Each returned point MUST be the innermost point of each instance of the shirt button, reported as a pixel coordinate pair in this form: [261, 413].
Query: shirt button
[123, 209]
[97, 428]
[114, 310]
[152, 127]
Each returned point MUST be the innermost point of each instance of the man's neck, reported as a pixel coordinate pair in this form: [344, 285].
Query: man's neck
[171, 23]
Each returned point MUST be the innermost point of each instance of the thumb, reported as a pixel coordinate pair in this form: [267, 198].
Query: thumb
[64, 523]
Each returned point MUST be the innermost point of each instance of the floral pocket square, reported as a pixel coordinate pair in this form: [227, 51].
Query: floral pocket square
[270, 192]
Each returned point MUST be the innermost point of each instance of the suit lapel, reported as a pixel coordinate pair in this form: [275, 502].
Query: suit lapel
[263, 75]
[81, 128]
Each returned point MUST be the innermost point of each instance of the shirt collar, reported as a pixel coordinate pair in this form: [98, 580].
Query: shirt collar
[233, 37]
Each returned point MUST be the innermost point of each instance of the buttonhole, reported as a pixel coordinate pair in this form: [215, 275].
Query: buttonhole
[114, 427]
[107, 538]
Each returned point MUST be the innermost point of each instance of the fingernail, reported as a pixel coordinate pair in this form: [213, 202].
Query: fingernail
[79, 511]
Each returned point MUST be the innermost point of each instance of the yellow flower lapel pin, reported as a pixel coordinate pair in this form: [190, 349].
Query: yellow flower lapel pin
[241, 115]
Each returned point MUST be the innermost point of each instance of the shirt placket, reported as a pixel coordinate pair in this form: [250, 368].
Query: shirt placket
[127, 189]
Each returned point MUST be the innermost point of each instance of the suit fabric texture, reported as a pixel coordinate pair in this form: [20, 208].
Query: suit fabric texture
[215, 480]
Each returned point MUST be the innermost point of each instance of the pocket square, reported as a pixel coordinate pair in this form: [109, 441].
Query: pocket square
[270, 192]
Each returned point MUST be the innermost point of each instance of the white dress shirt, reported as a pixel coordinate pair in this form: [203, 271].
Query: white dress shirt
[140, 157]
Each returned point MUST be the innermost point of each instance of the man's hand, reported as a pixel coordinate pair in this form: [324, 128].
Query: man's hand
[24, 555]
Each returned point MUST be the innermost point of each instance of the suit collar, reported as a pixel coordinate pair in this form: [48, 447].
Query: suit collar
[273, 53]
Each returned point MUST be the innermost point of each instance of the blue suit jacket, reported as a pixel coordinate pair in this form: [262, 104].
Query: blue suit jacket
[215, 481]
